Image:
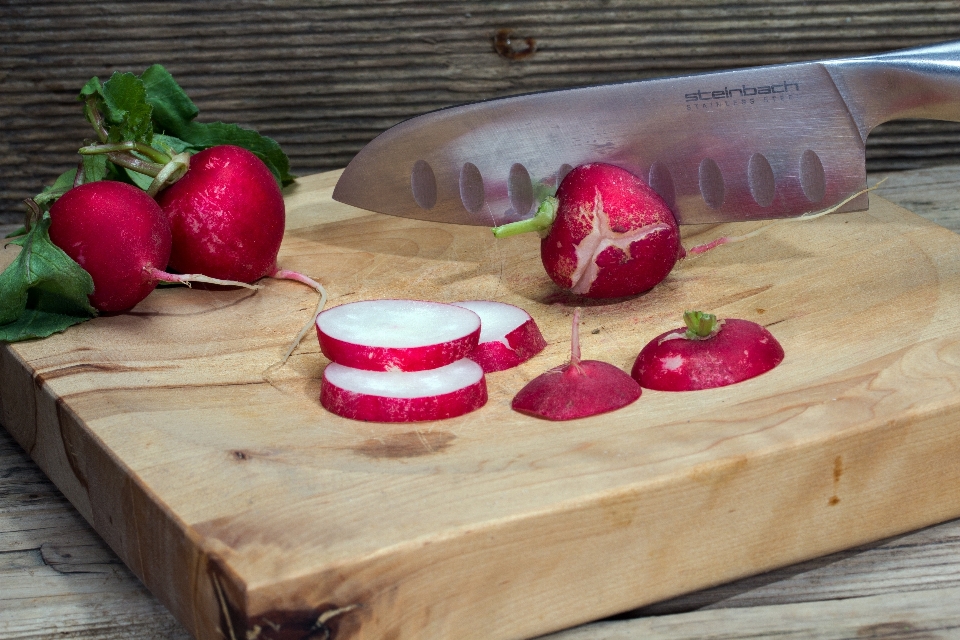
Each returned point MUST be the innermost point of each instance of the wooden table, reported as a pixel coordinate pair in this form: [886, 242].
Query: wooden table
[59, 579]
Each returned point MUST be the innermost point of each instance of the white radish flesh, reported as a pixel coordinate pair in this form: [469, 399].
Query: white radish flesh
[397, 335]
[399, 396]
[508, 335]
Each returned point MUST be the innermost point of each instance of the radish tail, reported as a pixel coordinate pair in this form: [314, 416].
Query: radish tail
[703, 248]
[284, 274]
[187, 278]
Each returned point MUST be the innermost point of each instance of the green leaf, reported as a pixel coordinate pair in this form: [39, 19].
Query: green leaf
[35, 323]
[43, 291]
[125, 108]
[172, 108]
[91, 88]
[52, 193]
[169, 144]
[202, 136]
[94, 168]
[174, 113]
[140, 179]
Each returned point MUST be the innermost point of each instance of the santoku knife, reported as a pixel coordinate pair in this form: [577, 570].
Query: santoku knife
[746, 144]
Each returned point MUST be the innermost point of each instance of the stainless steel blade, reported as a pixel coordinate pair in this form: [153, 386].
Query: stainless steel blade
[747, 144]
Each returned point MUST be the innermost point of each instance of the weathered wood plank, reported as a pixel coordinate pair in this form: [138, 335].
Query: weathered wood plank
[57, 576]
[914, 615]
[325, 79]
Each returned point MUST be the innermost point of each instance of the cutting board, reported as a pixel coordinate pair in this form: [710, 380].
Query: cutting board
[253, 513]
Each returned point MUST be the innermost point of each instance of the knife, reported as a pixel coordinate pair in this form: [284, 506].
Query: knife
[746, 144]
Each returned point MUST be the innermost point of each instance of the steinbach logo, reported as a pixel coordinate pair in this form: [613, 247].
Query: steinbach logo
[742, 91]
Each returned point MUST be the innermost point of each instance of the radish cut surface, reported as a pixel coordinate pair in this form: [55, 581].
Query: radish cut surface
[508, 335]
[403, 396]
[397, 335]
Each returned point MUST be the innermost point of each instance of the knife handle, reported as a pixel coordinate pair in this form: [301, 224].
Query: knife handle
[921, 83]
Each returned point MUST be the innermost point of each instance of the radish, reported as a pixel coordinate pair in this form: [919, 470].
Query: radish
[226, 214]
[606, 234]
[227, 217]
[706, 354]
[578, 389]
[508, 335]
[397, 335]
[119, 235]
[394, 396]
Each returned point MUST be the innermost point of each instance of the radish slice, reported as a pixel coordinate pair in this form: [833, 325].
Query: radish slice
[578, 389]
[397, 335]
[399, 396]
[508, 335]
[706, 354]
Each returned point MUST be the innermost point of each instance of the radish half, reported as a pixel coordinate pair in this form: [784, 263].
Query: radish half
[403, 396]
[508, 335]
[706, 354]
[578, 389]
[397, 335]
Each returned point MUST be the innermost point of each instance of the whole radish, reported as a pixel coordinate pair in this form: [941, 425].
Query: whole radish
[708, 353]
[578, 389]
[606, 234]
[227, 217]
[226, 214]
[119, 235]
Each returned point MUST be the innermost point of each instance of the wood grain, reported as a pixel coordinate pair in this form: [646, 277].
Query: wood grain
[226, 488]
[325, 78]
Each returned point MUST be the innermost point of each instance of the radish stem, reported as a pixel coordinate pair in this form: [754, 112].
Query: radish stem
[575, 338]
[130, 145]
[700, 325]
[170, 173]
[540, 222]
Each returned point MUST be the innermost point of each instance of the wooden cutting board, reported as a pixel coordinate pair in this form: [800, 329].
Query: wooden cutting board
[252, 513]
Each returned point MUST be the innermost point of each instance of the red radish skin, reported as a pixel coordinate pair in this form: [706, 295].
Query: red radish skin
[578, 389]
[612, 235]
[226, 214]
[397, 335]
[508, 335]
[738, 350]
[377, 396]
[119, 235]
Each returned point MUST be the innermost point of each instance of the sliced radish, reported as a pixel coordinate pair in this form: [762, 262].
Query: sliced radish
[578, 389]
[403, 396]
[508, 335]
[397, 335]
[706, 354]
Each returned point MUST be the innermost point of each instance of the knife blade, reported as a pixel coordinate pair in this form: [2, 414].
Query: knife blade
[746, 144]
